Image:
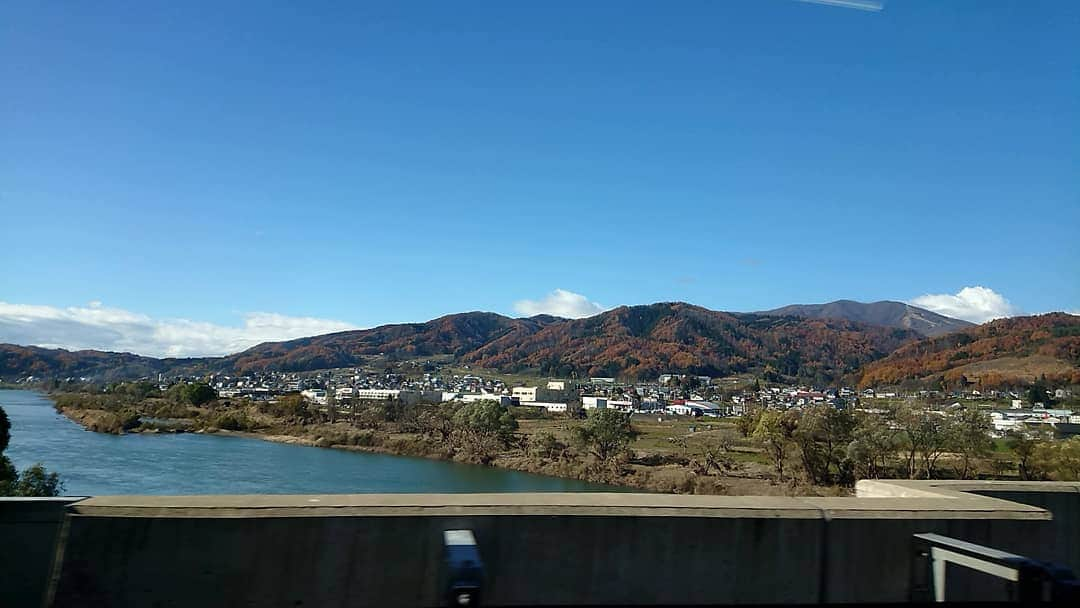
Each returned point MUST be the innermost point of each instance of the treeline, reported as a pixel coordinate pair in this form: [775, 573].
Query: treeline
[476, 432]
[824, 445]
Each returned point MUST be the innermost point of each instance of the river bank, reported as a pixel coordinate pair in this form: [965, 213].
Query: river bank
[102, 464]
[672, 456]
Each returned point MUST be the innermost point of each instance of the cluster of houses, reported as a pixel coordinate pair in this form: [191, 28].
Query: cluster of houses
[1048, 422]
[670, 394]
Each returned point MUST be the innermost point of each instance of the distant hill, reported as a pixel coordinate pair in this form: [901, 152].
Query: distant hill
[21, 361]
[1005, 352]
[457, 334]
[884, 313]
[633, 342]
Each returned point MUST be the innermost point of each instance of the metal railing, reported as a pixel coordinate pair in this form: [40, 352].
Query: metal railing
[1029, 580]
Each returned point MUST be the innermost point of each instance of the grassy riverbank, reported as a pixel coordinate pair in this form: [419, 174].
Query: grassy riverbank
[666, 455]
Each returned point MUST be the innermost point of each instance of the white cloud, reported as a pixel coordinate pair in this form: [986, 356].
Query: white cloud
[560, 303]
[976, 304]
[98, 327]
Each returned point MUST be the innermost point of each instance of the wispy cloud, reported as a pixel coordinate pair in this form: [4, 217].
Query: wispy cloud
[862, 5]
[561, 303]
[976, 304]
[99, 327]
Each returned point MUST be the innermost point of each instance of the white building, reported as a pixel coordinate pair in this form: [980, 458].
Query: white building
[525, 393]
[679, 409]
[405, 396]
[503, 400]
[549, 406]
[377, 393]
[707, 408]
[315, 395]
[536, 393]
[590, 402]
[556, 385]
[695, 408]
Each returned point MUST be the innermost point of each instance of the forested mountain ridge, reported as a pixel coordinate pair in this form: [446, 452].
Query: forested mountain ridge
[1012, 351]
[645, 341]
[634, 342]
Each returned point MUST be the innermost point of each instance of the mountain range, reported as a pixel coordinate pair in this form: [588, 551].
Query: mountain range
[822, 343]
[886, 313]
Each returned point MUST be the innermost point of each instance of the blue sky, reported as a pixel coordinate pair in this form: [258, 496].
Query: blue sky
[394, 161]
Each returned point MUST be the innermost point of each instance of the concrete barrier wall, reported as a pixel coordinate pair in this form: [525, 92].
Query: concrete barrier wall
[1062, 499]
[29, 528]
[555, 549]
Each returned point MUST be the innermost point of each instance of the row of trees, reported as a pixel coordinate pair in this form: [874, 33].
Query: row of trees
[830, 446]
[838, 446]
[478, 430]
[35, 480]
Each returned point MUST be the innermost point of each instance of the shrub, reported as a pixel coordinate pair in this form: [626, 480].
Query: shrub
[231, 421]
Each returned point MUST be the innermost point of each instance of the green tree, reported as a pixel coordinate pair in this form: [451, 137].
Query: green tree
[139, 390]
[823, 434]
[1024, 446]
[925, 435]
[748, 422]
[1039, 392]
[33, 481]
[5, 430]
[8, 476]
[774, 432]
[1060, 459]
[484, 426]
[605, 433]
[200, 393]
[970, 438]
[197, 393]
[37, 481]
[873, 445]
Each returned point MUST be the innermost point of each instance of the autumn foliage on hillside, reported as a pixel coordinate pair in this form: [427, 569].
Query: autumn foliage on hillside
[450, 335]
[992, 353]
[645, 341]
[637, 342]
[58, 363]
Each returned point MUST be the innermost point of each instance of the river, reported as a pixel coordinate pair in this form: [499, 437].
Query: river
[95, 464]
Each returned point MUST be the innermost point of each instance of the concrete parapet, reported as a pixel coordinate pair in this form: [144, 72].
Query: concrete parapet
[29, 528]
[557, 549]
[1060, 498]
